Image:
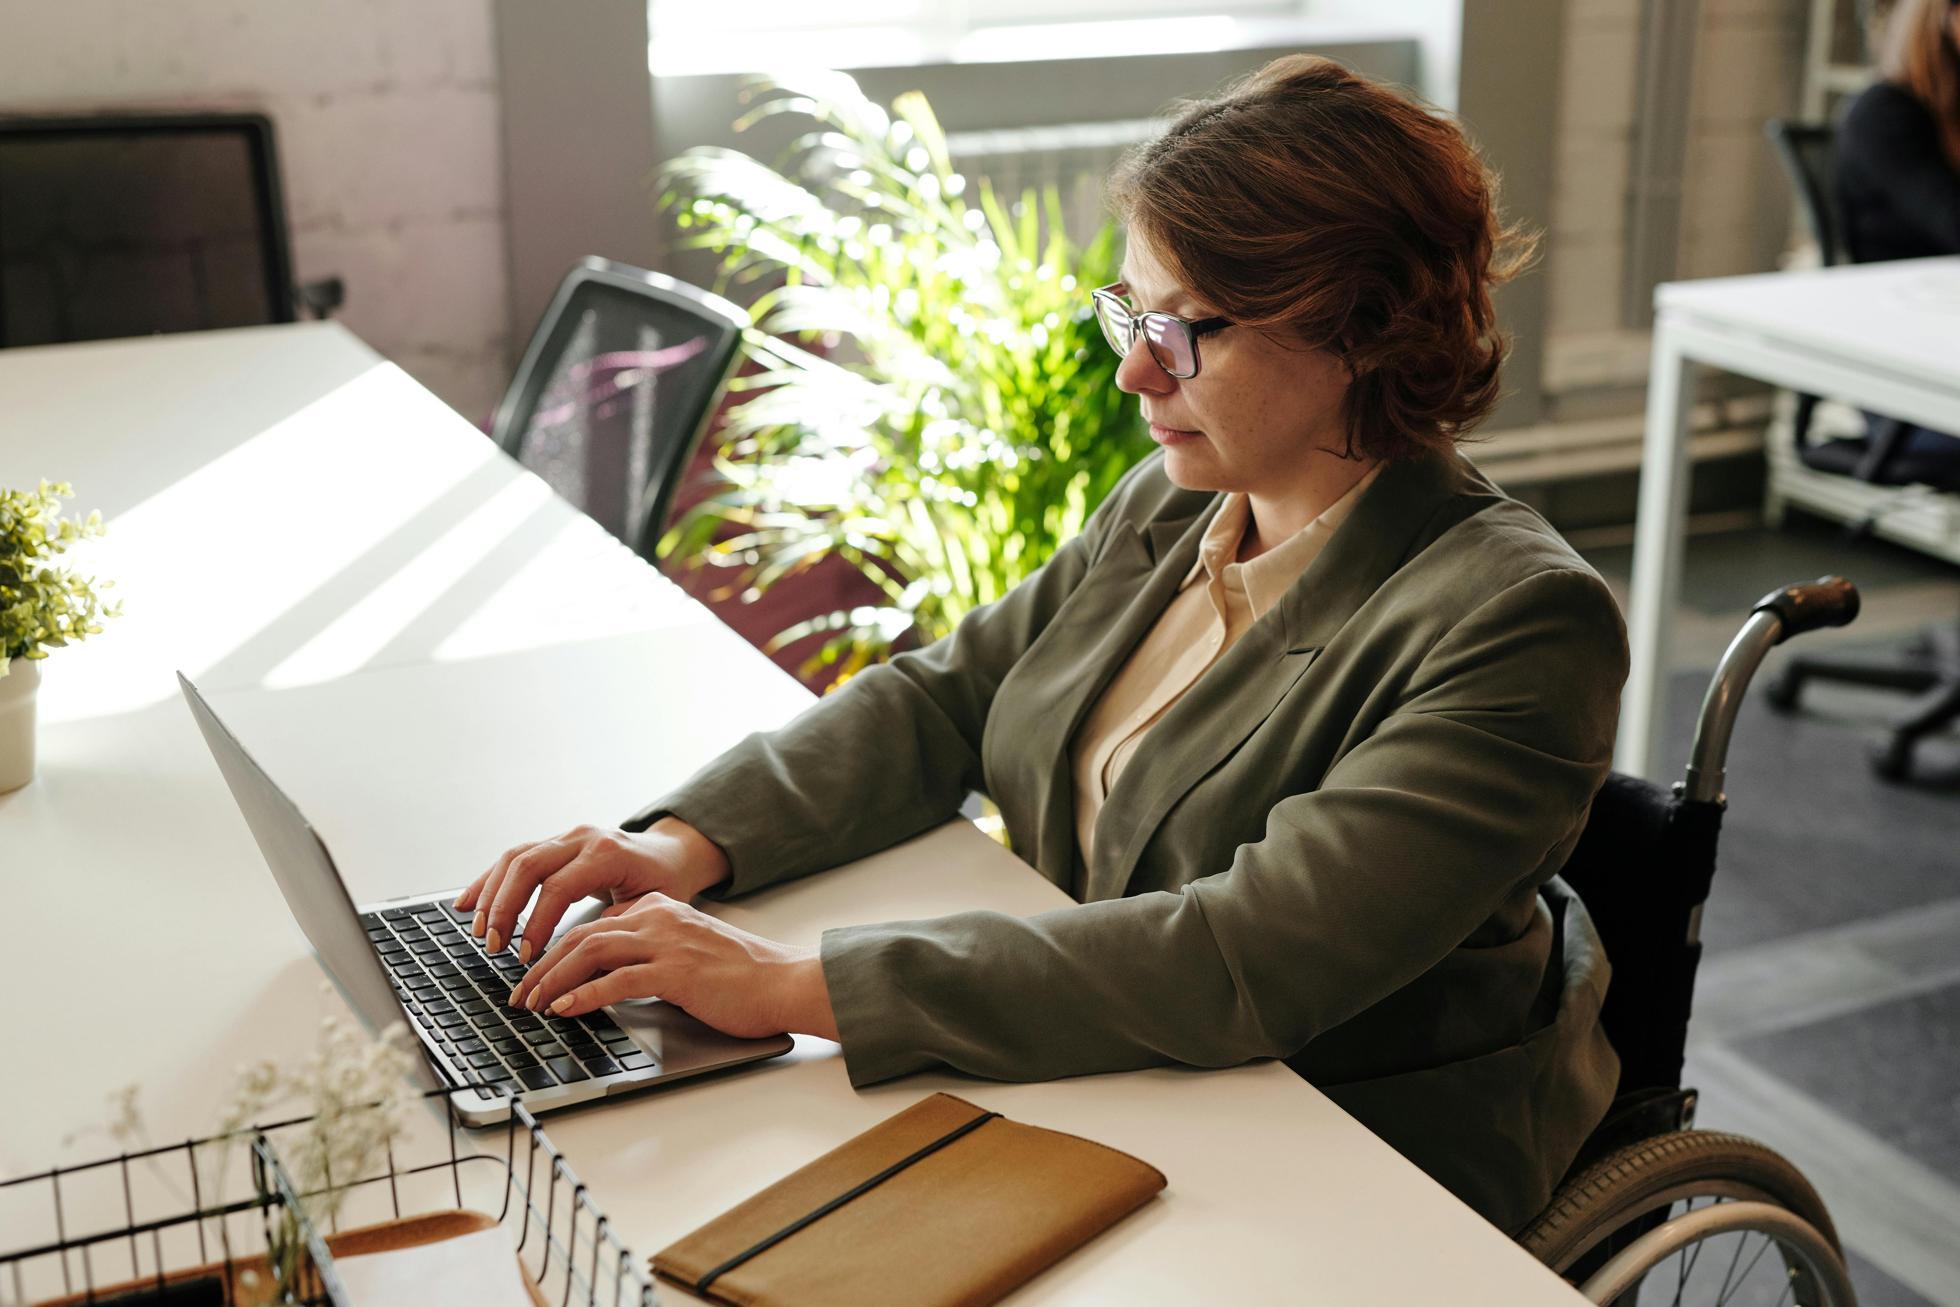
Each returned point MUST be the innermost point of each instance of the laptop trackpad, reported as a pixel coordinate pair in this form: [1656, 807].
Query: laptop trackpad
[679, 1042]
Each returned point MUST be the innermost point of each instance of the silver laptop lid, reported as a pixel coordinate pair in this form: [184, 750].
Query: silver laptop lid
[308, 878]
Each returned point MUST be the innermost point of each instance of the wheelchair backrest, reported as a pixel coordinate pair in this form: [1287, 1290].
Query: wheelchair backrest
[1642, 867]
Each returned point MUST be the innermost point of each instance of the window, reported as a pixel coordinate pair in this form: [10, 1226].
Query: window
[699, 36]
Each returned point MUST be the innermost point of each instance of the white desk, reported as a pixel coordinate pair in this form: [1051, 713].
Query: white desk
[495, 703]
[1882, 336]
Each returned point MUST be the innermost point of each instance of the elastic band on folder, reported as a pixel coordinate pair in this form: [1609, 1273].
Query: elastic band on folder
[702, 1285]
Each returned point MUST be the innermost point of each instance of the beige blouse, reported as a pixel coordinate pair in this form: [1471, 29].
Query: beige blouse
[1199, 625]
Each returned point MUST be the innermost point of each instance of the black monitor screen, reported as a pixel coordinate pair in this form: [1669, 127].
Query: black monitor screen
[122, 227]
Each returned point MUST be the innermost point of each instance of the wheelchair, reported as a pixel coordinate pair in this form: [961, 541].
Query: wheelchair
[1653, 1210]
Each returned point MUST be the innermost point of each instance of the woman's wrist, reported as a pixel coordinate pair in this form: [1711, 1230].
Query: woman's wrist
[703, 864]
[806, 1001]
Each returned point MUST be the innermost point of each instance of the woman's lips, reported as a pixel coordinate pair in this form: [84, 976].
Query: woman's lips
[1172, 435]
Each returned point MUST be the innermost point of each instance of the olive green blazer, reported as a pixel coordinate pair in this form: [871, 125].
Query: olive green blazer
[1338, 848]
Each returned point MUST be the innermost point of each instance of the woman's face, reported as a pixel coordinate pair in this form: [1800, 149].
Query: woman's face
[1257, 408]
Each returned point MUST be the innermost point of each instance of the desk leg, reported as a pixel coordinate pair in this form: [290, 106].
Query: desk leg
[1658, 546]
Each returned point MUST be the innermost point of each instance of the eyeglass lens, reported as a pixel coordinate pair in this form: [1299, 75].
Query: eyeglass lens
[1169, 340]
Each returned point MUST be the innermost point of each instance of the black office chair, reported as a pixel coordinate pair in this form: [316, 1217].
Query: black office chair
[1884, 456]
[1648, 1190]
[123, 225]
[615, 390]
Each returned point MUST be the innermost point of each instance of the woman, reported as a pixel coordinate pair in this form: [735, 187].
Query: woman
[1899, 142]
[1898, 175]
[1306, 718]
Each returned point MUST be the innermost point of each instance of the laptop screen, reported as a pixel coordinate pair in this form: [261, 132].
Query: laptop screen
[307, 877]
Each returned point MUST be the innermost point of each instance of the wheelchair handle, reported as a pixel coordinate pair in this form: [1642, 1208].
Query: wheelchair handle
[1827, 601]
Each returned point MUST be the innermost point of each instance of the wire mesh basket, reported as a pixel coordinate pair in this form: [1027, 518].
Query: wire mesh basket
[154, 1226]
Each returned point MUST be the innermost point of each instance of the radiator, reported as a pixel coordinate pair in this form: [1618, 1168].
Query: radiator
[1073, 158]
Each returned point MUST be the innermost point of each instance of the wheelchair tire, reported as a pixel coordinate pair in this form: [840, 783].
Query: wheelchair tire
[1630, 1191]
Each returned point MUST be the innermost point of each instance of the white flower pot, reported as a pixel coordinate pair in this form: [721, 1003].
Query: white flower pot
[17, 689]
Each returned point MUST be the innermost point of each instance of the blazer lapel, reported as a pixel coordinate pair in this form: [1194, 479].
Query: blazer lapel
[1116, 605]
[1410, 503]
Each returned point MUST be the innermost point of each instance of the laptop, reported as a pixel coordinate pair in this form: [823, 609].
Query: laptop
[413, 960]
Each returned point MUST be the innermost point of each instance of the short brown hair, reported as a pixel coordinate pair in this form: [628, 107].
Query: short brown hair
[1308, 199]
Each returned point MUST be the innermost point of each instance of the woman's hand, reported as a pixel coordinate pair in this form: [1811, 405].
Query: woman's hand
[670, 858]
[659, 947]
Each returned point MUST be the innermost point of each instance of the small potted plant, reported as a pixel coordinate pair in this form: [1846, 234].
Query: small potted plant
[42, 607]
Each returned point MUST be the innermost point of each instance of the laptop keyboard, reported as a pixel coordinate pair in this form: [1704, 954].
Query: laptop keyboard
[459, 994]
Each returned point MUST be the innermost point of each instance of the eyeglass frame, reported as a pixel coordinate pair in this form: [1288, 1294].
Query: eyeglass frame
[1194, 328]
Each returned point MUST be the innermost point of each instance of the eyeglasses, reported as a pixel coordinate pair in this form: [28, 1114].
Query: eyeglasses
[1173, 341]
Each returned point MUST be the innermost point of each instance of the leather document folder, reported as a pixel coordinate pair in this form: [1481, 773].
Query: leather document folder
[945, 1203]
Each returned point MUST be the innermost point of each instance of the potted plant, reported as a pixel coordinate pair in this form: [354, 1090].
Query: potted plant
[42, 607]
[931, 398]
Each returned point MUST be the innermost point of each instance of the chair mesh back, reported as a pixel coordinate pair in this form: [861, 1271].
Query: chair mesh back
[613, 400]
[126, 226]
[1642, 866]
[1808, 152]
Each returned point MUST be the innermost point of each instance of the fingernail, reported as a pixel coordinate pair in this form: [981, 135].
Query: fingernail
[476, 924]
[524, 952]
[496, 940]
[562, 1004]
[512, 1000]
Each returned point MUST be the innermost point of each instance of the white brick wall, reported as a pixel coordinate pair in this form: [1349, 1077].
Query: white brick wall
[1735, 205]
[387, 119]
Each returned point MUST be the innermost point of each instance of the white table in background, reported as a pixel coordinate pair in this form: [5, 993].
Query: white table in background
[437, 659]
[1879, 336]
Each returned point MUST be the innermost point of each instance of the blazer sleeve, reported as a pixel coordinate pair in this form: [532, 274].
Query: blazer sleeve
[892, 752]
[1413, 839]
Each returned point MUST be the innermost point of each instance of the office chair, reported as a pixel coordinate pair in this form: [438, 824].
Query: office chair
[1884, 456]
[123, 225]
[615, 391]
[1648, 1189]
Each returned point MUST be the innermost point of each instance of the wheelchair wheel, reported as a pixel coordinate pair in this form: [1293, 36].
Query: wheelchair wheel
[1693, 1216]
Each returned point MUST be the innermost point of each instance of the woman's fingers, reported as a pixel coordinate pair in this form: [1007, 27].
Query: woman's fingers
[485, 886]
[467, 899]
[614, 987]
[521, 992]
[473, 897]
[592, 873]
[496, 919]
[590, 955]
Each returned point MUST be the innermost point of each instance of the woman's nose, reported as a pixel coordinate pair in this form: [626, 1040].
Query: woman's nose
[1140, 374]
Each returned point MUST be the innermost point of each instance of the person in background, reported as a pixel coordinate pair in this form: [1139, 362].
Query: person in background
[1306, 720]
[1898, 173]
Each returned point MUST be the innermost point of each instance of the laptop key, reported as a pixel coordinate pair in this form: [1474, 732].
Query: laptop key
[395, 914]
[468, 1046]
[508, 1043]
[476, 1007]
[636, 1060]
[539, 1037]
[520, 1059]
[617, 1038]
[536, 1077]
[566, 1069]
[450, 1020]
[481, 1060]
[601, 1066]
